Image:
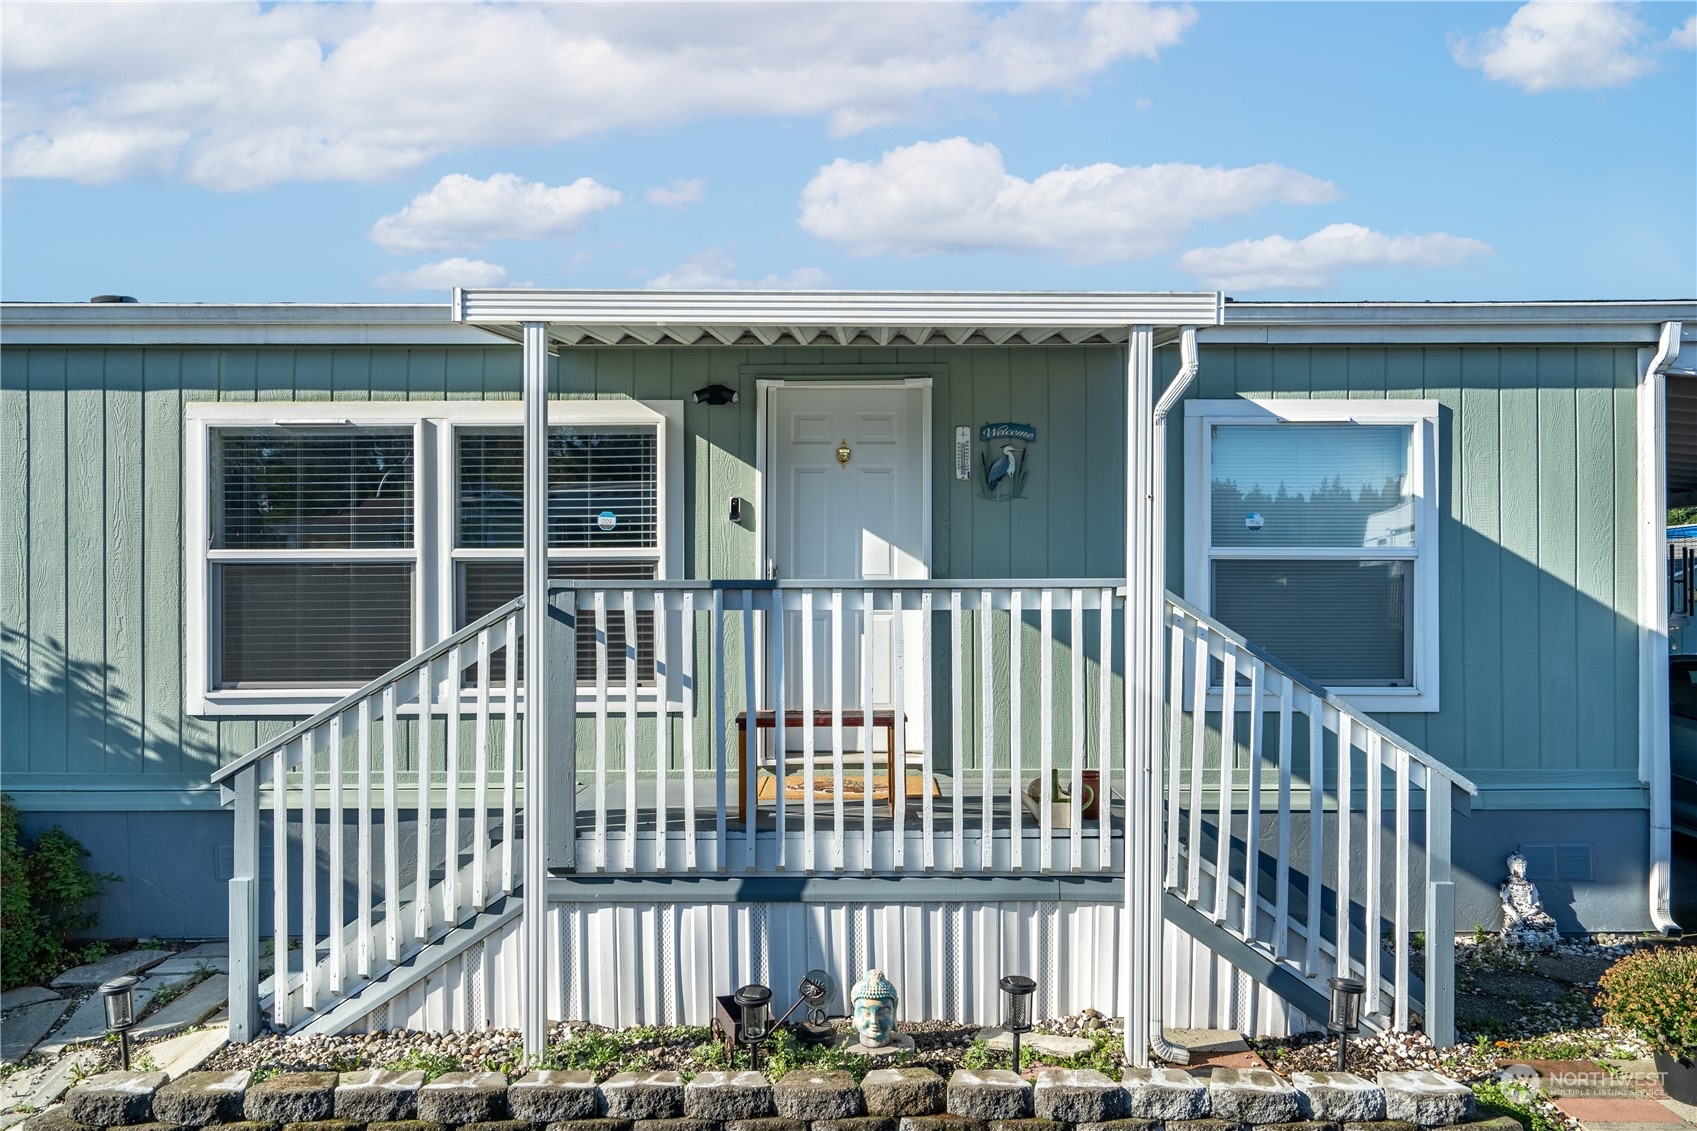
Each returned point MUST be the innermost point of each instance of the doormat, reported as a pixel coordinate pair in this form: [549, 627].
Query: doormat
[854, 787]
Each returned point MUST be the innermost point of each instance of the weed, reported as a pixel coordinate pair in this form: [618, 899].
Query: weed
[263, 1073]
[168, 994]
[979, 1057]
[144, 1063]
[783, 1055]
[594, 1052]
[432, 1064]
[1492, 1100]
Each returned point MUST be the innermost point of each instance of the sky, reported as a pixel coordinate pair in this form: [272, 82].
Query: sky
[284, 152]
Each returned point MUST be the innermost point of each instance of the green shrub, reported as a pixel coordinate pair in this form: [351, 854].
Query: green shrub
[46, 895]
[1654, 994]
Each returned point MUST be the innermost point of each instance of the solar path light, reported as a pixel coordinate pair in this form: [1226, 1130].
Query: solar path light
[1016, 1008]
[118, 996]
[1344, 1016]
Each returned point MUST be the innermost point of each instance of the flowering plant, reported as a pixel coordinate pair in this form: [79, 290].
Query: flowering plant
[1654, 994]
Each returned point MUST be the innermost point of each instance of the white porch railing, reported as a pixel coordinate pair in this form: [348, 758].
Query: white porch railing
[985, 689]
[1323, 887]
[411, 759]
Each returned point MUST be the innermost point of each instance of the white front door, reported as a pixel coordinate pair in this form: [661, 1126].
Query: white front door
[863, 519]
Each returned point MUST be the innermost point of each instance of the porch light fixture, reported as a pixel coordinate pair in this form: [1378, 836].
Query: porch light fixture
[118, 996]
[1344, 1016]
[754, 1025]
[1016, 1008]
[715, 395]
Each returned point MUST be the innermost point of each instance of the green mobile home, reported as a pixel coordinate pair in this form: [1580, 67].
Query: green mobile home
[1241, 641]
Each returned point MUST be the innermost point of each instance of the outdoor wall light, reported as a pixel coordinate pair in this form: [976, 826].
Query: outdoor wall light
[1016, 1008]
[1344, 1017]
[755, 1023]
[714, 395]
[118, 996]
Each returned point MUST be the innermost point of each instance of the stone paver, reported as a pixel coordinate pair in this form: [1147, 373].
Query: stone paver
[1609, 1112]
[1339, 1095]
[196, 1099]
[1055, 1045]
[114, 1098]
[191, 1008]
[182, 965]
[1164, 1093]
[26, 1025]
[375, 1095]
[1077, 1095]
[723, 1096]
[553, 1095]
[188, 1051]
[25, 995]
[810, 1096]
[644, 1095]
[858, 1123]
[293, 1097]
[1253, 1095]
[900, 1092]
[463, 1097]
[989, 1094]
[1207, 1040]
[1425, 1098]
[116, 966]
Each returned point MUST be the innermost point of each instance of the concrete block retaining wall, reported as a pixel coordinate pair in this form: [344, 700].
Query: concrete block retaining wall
[890, 1099]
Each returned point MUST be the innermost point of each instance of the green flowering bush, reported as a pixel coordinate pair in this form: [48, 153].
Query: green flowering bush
[1654, 993]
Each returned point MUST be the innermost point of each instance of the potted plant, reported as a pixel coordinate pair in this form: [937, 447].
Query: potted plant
[1654, 994]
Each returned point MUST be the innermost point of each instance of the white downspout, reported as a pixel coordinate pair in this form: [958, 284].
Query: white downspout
[1180, 384]
[1653, 621]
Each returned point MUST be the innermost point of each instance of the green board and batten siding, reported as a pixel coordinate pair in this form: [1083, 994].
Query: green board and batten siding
[1538, 665]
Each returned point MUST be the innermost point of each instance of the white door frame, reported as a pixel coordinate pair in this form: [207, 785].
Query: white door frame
[764, 444]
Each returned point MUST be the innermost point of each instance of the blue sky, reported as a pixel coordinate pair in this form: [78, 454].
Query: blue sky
[242, 153]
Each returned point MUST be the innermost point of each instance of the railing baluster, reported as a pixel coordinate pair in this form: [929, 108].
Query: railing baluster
[1373, 830]
[898, 756]
[309, 868]
[1046, 730]
[1175, 731]
[630, 753]
[1198, 750]
[480, 782]
[927, 756]
[751, 703]
[1316, 834]
[1281, 875]
[391, 834]
[509, 758]
[721, 735]
[1227, 780]
[662, 751]
[451, 841]
[866, 649]
[1403, 835]
[282, 1011]
[600, 729]
[1076, 730]
[336, 878]
[1440, 912]
[1346, 805]
[987, 720]
[838, 690]
[1252, 806]
[807, 703]
[243, 889]
[1016, 694]
[780, 732]
[687, 725]
[421, 886]
[1105, 736]
[362, 941]
[957, 734]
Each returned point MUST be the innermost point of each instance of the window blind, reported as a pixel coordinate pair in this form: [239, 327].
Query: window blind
[603, 488]
[313, 623]
[1339, 485]
[486, 585]
[1338, 622]
[288, 489]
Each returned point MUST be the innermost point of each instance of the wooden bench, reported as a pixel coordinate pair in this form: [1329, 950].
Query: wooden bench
[854, 718]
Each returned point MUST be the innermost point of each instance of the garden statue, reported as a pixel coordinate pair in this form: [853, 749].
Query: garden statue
[874, 1018]
[1525, 922]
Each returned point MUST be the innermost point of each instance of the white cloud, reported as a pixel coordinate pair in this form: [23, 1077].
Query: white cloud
[240, 95]
[1561, 44]
[1313, 262]
[449, 273]
[461, 212]
[679, 193]
[955, 196]
[711, 270]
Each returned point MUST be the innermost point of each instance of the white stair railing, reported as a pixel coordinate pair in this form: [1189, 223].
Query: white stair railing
[1341, 792]
[426, 758]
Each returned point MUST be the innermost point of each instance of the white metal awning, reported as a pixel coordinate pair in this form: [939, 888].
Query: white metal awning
[839, 318]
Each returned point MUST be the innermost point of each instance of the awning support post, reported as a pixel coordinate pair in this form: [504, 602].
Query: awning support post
[534, 1012]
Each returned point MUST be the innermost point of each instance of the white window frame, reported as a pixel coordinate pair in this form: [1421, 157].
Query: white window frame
[1423, 470]
[435, 506]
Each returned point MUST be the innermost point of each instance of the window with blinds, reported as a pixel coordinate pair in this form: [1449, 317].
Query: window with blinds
[311, 554]
[603, 525]
[1312, 545]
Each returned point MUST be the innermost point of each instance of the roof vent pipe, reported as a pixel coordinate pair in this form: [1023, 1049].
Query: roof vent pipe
[112, 298]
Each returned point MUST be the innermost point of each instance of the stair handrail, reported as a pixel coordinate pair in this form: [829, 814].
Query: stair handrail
[1431, 764]
[404, 668]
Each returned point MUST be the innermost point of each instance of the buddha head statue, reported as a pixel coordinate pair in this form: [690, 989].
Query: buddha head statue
[874, 1001]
